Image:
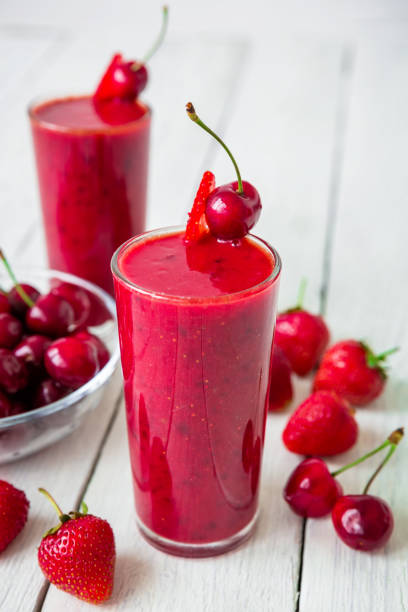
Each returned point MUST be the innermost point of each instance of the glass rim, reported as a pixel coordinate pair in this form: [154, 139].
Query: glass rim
[59, 96]
[188, 300]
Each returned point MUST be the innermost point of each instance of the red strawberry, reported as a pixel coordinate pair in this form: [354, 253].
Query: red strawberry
[280, 390]
[352, 370]
[13, 513]
[302, 336]
[78, 556]
[196, 224]
[323, 425]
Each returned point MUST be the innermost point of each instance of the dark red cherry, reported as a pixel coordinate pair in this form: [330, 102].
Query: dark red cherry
[99, 313]
[18, 305]
[125, 80]
[5, 406]
[122, 79]
[51, 315]
[13, 373]
[311, 490]
[11, 330]
[31, 351]
[230, 210]
[5, 305]
[71, 361]
[49, 391]
[230, 215]
[19, 406]
[363, 522]
[79, 300]
[101, 348]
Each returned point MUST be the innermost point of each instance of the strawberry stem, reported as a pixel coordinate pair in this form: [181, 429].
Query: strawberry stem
[392, 440]
[158, 42]
[24, 296]
[301, 294]
[384, 355]
[194, 117]
[375, 361]
[53, 502]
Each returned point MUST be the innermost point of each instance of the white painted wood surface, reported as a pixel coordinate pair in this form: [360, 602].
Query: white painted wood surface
[312, 100]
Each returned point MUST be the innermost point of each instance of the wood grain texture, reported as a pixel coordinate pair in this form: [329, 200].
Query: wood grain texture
[63, 469]
[368, 299]
[327, 150]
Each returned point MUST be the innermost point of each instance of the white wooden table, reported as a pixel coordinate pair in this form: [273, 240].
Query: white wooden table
[312, 98]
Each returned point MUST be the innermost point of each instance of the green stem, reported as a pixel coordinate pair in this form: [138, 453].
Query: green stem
[52, 500]
[385, 354]
[159, 40]
[393, 443]
[301, 293]
[374, 361]
[194, 117]
[24, 296]
[392, 440]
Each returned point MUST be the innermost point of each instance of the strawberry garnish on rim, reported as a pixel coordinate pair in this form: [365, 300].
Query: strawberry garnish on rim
[197, 225]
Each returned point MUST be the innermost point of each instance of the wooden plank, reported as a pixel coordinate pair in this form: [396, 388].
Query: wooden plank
[368, 298]
[63, 469]
[262, 575]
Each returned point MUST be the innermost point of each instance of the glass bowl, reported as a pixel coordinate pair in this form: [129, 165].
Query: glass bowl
[26, 433]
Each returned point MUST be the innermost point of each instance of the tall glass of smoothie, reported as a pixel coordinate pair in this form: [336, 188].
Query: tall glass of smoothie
[92, 165]
[196, 324]
[92, 161]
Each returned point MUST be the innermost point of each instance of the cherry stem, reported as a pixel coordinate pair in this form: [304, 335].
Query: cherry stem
[53, 502]
[158, 42]
[24, 296]
[301, 293]
[194, 117]
[392, 440]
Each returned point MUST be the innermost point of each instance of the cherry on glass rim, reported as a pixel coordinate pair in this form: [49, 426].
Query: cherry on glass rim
[231, 210]
[124, 80]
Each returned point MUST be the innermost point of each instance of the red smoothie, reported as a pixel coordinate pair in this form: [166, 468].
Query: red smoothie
[195, 326]
[92, 171]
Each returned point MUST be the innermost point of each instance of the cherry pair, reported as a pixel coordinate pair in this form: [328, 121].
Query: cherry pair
[363, 522]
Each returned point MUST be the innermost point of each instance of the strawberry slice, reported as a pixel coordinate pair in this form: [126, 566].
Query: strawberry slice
[197, 225]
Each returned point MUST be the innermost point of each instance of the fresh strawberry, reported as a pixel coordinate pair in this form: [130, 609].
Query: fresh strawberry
[323, 425]
[280, 390]
[196, 224]
[78, 555]
[13, 513]
[352, 370]
[302, 336]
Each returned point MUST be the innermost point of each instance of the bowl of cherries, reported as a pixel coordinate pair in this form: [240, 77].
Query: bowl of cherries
[58, 348]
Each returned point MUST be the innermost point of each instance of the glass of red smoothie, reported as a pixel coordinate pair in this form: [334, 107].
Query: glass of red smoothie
[196, 325]
[92, 168]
